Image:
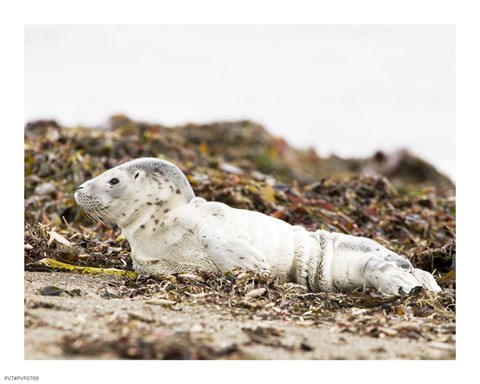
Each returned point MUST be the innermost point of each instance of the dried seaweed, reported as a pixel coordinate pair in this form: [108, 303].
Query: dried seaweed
[244, 166]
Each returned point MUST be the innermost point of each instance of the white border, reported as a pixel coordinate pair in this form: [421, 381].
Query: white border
[240, 12]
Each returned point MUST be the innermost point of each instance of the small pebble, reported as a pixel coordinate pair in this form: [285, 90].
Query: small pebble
[256, 292]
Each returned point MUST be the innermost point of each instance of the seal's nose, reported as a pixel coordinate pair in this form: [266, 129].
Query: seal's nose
[78, 188]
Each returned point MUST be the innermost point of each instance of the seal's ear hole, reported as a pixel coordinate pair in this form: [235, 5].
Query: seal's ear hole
[136, 175]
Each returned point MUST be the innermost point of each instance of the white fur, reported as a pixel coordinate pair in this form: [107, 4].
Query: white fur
[170, 230]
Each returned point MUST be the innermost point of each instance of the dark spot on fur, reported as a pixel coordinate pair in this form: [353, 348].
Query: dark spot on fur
[156, 221]
[242, 258]
[190, 231]
[166, 210]
[206, 245]
[123, 215]
[149, 203]
[159, 203]
[177, 191]
[142, 226]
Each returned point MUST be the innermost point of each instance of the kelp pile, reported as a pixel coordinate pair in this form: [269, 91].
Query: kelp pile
[409, 208]
[239, 164]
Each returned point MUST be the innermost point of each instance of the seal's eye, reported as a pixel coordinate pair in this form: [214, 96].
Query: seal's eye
[114, 181]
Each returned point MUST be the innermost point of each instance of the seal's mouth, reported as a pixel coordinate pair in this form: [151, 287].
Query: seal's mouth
[89, 203]
[94, 209]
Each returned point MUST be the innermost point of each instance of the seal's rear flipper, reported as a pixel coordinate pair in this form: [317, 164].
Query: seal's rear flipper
[426, 280]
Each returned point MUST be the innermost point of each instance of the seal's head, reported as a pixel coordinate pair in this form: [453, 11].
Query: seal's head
[135, 188]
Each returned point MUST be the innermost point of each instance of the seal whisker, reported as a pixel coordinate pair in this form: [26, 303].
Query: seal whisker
[96, 216]
[104, 220]
[89, 215]
[108, 213]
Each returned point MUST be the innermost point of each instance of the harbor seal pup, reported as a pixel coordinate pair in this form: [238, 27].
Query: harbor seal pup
[172, 231]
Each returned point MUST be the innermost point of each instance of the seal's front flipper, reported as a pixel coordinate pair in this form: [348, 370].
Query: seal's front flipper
[229, 252]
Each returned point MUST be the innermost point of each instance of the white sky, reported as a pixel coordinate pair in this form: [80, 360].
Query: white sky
[348, 90]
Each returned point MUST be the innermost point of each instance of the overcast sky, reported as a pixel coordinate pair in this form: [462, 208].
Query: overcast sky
[348, 90]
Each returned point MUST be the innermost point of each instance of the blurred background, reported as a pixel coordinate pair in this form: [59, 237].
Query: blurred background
[348, 90]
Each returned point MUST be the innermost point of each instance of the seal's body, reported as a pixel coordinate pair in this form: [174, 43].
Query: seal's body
[170, 230]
